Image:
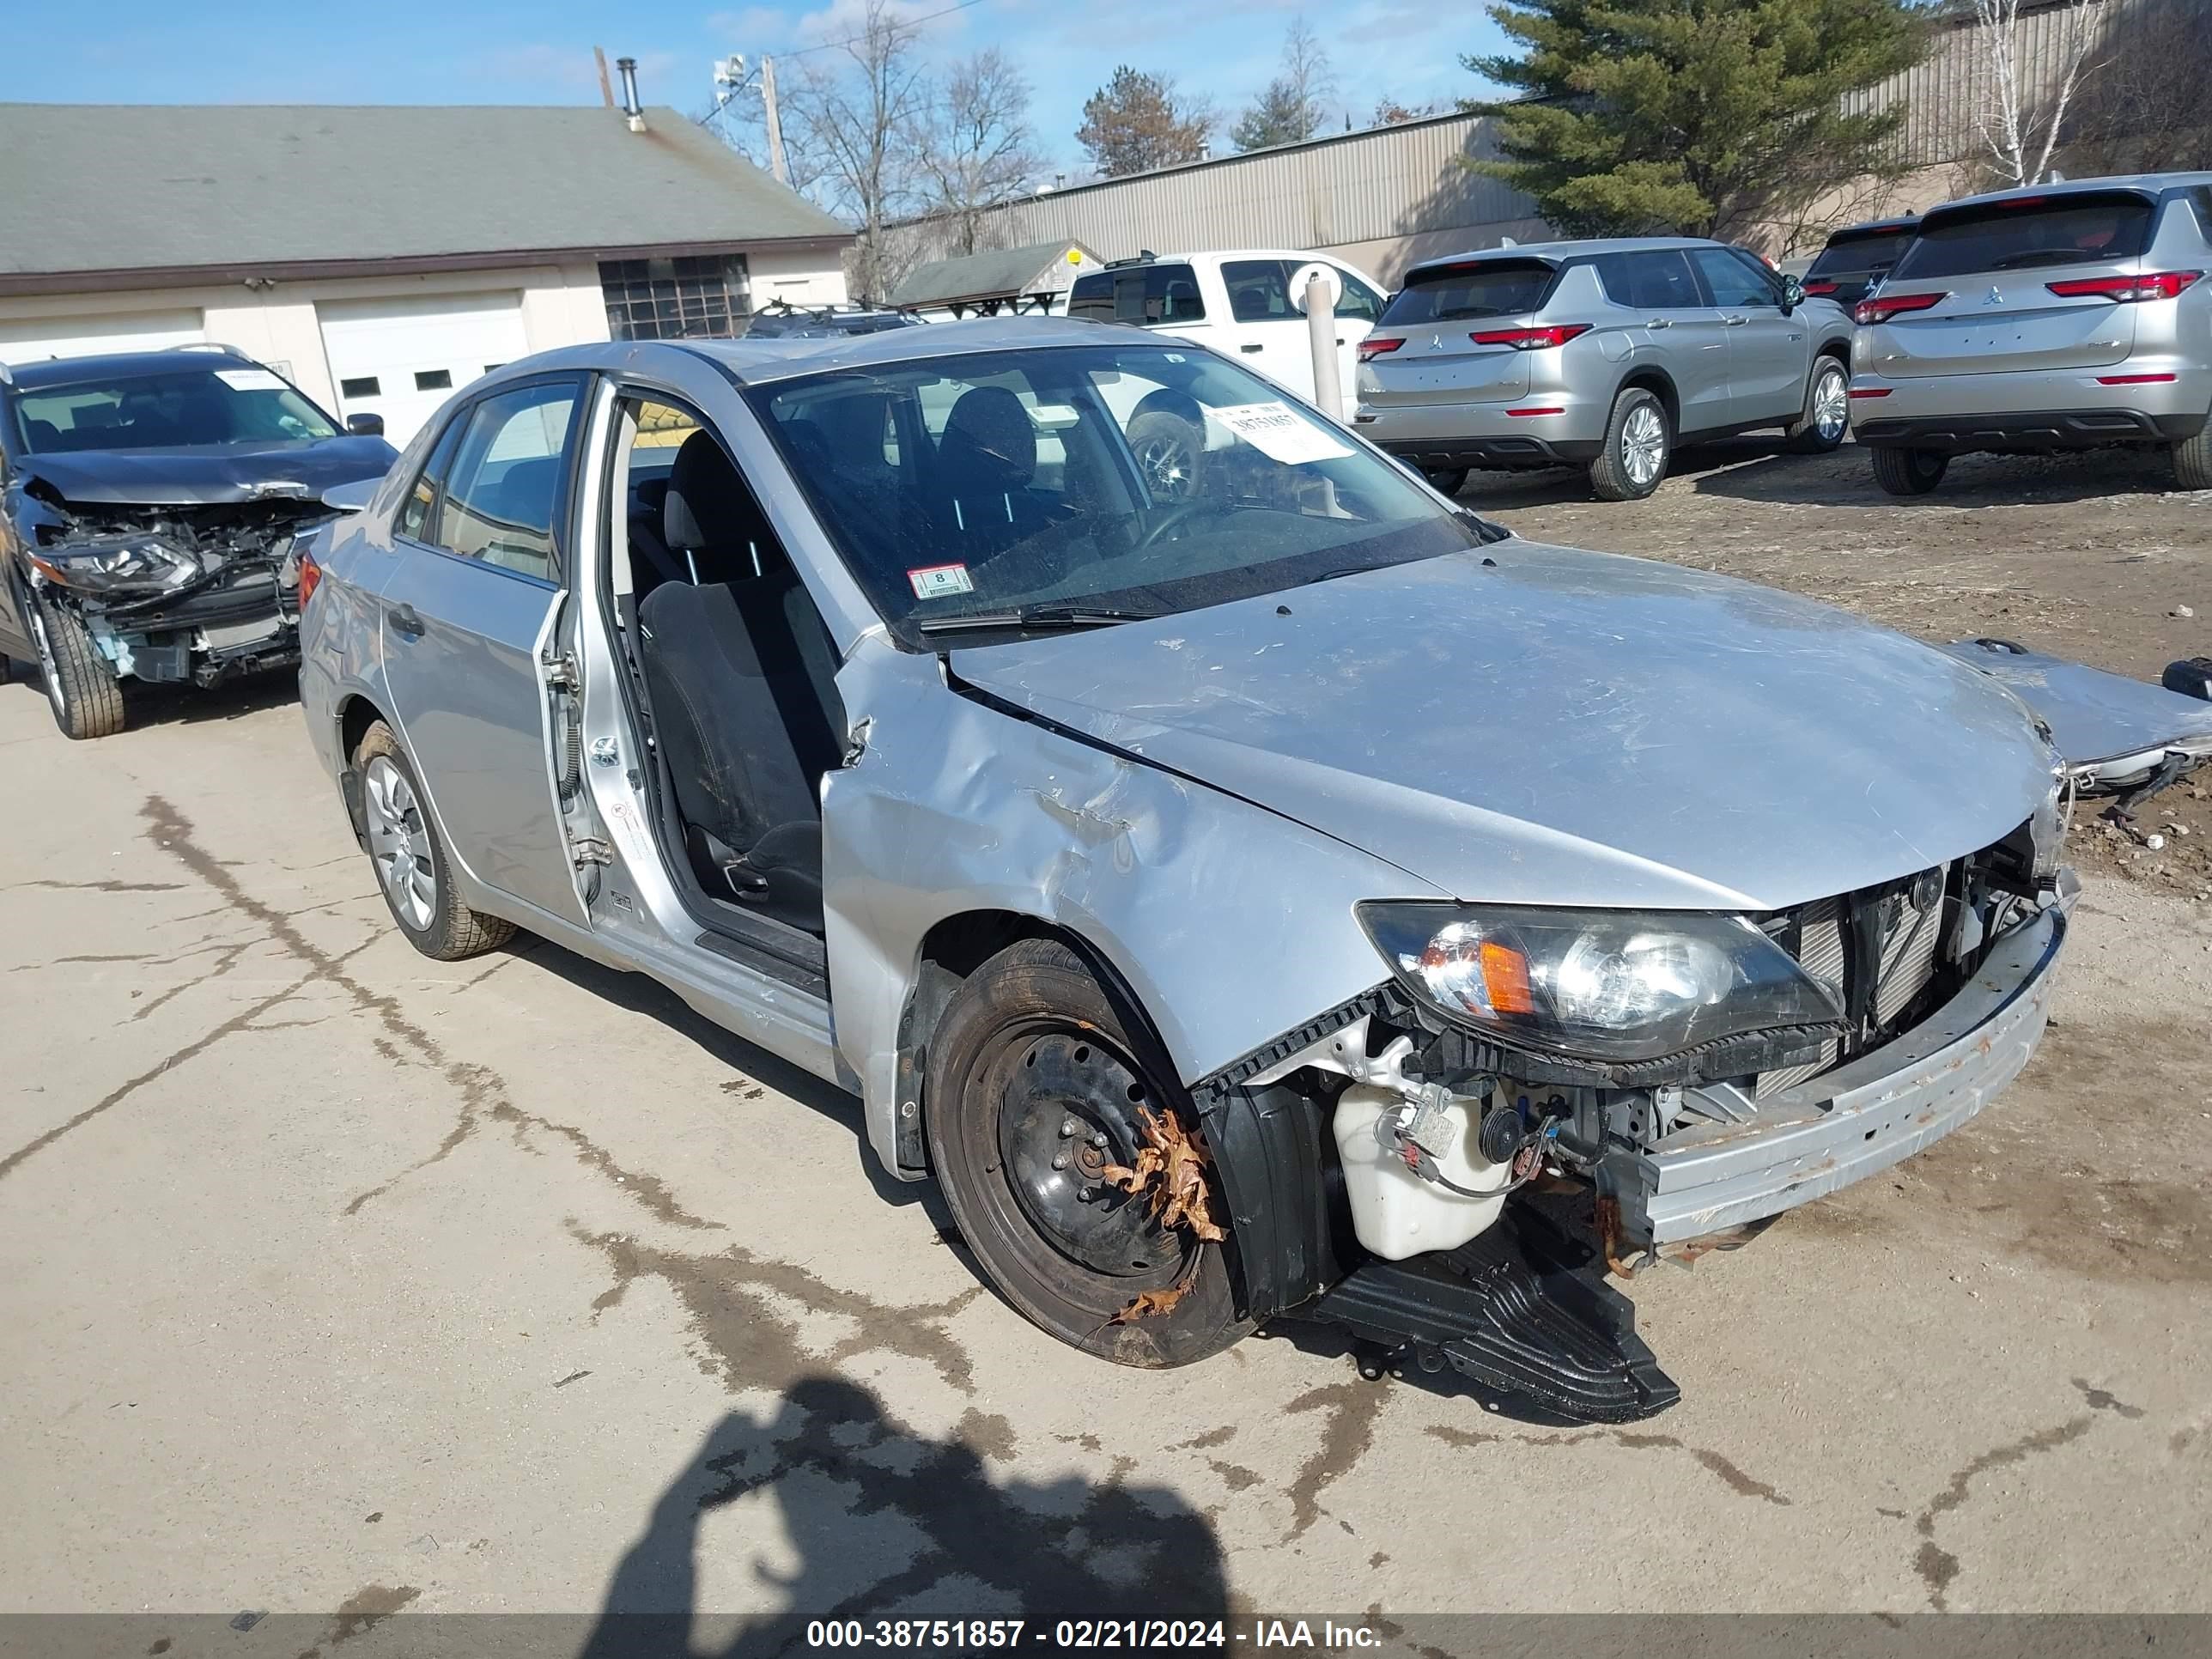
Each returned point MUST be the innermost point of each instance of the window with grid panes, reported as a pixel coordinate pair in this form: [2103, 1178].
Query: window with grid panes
[701, 297]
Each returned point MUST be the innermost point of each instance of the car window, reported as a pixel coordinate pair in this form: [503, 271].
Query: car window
[1852, 254]
[1657, 279]
[1138, 294]
[225, 402]
[414, 518]
[2085, 227]
[1476, 287]
[1731, 278]
[1139, 479]
[1258, 290]
[506, 479]
[1358, 300]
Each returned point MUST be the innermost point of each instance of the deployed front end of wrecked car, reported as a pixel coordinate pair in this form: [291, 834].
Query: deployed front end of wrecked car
[175, 593]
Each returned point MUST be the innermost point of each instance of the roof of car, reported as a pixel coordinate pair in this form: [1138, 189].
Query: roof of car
[1564, 250]
[2145, 181]
[758, 362]
[1875, 227]
[119, 365]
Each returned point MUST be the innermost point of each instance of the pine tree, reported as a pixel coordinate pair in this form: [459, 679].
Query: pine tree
[1693, 117]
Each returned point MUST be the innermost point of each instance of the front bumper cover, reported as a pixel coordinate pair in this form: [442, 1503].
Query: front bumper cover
[1865, 1115]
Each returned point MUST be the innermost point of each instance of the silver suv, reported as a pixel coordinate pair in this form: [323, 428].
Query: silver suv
[1598, 353]
[2060, 317]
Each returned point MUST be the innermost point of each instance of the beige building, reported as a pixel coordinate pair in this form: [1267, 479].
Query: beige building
[381, 258]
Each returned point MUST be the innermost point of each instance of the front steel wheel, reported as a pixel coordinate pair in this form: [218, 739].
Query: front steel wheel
[412, 866]
[1036, 1082]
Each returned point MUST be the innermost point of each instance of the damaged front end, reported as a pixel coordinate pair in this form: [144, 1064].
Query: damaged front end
[176, 592]
[1537, 1097]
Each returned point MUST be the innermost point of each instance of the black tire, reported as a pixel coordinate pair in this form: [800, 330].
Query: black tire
[1807, 436]
[1030, 1042]
[81, 688]
[440, 926]
[1909, 471]
[1449, 482]
[2192, 461]
[1171, 451]
[1615, 474]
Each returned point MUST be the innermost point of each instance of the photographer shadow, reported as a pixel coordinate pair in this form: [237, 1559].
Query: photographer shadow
[890, 1524]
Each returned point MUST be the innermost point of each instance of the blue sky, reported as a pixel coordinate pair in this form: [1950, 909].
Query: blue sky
[467, 51]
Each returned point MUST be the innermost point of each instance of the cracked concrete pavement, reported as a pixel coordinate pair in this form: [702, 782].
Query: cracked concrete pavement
[341, 1279]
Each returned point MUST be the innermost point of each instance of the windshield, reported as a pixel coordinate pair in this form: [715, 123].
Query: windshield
[1489, 288]
[2080, 227]
[230, 403]
[1021, 489]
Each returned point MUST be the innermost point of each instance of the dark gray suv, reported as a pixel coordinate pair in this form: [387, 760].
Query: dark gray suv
[1598, 353]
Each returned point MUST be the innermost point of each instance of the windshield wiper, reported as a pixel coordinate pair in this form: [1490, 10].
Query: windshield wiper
[1031, 616]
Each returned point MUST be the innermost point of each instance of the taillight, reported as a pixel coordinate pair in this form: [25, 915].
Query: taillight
[1882, 306]
[1530, 340]
[1820, 290]
[2153, 285]
[1370, 349]
[310, 574]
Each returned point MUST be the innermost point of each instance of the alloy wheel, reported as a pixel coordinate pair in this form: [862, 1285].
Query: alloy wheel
[50, 673]
[399, 843]
[1831, 405]
[1644, 444]
[1166, 464]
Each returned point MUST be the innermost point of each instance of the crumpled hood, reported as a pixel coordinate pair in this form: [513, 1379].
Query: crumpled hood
[1563, 727]
[206, 475]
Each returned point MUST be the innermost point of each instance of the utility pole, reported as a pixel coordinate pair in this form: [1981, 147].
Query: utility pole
[775, 160]
[606, 91]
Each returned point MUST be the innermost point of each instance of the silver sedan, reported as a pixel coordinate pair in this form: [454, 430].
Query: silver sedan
[1287, 894]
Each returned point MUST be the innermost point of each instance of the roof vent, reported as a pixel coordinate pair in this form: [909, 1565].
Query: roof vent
[627, 67]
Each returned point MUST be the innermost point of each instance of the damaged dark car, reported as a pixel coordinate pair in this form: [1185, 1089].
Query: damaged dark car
[150, 508]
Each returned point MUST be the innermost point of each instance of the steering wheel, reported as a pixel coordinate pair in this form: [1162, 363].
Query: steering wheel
[1180, 514]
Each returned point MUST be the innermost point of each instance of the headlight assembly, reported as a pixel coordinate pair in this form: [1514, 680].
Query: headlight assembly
[1603, 985]
[118, 564]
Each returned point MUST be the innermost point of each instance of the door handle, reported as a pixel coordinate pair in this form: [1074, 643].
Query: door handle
[1736, 322]
[403, 621]
[1252, 347]
[1660, 322]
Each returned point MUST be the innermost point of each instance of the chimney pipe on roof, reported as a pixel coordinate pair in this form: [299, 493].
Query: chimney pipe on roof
[627, 69]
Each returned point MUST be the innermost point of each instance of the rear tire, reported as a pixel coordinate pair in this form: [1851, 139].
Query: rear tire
[1826, 421]
[1909, 471]
[1639, 443]
[2192, 461]
[1449, 482]
[412, 870]
[81, 688]
[1029, 1043]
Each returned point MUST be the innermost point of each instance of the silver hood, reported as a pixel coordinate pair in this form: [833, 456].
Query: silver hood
[1562, 727]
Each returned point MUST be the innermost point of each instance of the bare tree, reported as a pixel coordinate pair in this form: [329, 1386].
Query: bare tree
[2022, 99]
[1294, 106]
[849, 118]
[975, 145]
[1136, 122]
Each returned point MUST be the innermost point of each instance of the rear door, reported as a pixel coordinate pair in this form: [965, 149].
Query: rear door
[1766, 359]
[1435, 319]
[1682, 323]
[466, 617]
[1265, 329]
[2014, 282]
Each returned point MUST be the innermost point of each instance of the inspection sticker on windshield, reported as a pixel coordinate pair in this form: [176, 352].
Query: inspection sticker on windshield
[1278, 434]
[249, 379]
[940, 581]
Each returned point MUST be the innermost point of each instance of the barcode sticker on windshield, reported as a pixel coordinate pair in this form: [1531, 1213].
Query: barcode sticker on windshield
[249, 379]
[940, 581]
[1280, 435]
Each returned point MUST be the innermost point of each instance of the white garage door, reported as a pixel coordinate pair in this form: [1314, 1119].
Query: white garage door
[402, 358]
[81, 336]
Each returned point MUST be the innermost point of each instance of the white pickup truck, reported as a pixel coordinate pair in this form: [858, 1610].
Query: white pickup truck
[1238, 301]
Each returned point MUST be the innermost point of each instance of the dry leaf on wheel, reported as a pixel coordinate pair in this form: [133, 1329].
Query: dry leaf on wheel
[1147, 1302]
[1172, 1166]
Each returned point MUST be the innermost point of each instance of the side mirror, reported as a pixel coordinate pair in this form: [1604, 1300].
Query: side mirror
[1793, 293]
[365, 426]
